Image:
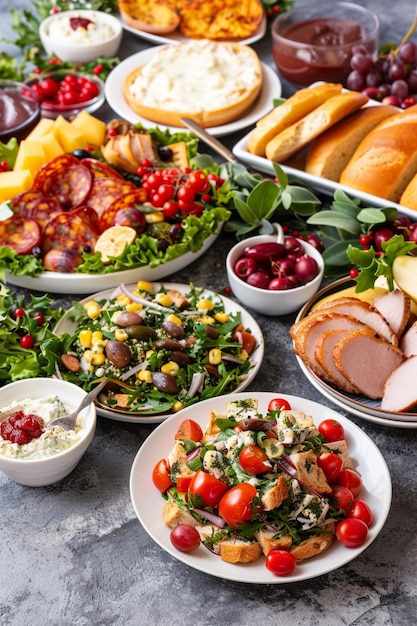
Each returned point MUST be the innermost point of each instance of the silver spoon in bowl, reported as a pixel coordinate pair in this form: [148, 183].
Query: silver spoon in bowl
[69, 421]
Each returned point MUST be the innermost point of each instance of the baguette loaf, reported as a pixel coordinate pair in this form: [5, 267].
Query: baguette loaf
[385, 161]
[409, 195]
[297, 106]
[299, 135]
[332, 150]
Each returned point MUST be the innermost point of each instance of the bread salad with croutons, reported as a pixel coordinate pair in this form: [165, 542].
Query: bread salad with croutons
[256, 484]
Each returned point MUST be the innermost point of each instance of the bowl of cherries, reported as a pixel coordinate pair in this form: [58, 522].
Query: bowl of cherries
[274, 275]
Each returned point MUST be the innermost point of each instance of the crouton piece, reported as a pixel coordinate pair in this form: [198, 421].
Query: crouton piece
[341, 448]
[239, 551]
[268, 541]
[177, 460]
[310, 473]
[242, 409]
[178, 299]
[206, 533]
[211, 429]
[317, 544]
[276, 495]
[172, 515]
[303, 420]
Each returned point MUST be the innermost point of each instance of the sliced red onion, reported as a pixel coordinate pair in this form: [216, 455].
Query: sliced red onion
[232, 359]
[211, 517]
[288, 460]
[194, 453]
[196, 385]
[293, 474]
[133, 370]
[58, 372]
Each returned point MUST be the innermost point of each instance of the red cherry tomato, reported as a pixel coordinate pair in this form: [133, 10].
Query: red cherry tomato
[209, 488]
[183, 484]
[247, 340]
[350, 479]
[185, 538]
[331, 430]
[189, 429]
[331, 464]
[360, 510]
[254, 460]
[341, 497]
[352, 532]
[278, 404]
[161, 477]
[280, 562]
[198, 181]
[186, 194]
[235, 505]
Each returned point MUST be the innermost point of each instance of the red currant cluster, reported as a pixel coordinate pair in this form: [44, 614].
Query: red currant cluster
[177, 191]
[70, 90]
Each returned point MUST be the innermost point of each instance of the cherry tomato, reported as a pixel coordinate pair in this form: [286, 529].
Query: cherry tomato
[331, 430]
[183, 484]
[209, 488]
[185, 538]
[352, 532]
[350, 479]
[189, 429]
[360, 510]
[27, 342]
[280, 562]
[186, 194]
[276, 404]
[247, 340]
[198, 181]
[341, 497]
[170, 208]
[161, 477]
[331, 464]
[254, 460]
[235, 505]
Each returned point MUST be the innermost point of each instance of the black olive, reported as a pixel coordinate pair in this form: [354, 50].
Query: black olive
[176, 231]
[80, 153]
[165, 153]
[163, 244]
[87, 249]
[37, 252]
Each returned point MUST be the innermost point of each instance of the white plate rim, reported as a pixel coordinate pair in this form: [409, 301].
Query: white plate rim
[271, 88]
[77, 283]
[147, 501]
[176, 37]
[64, 325]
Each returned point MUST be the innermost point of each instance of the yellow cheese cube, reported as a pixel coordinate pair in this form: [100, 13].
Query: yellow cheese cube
[51, 146]
[94, 130]
[12, 183]
[30, 156]
[42, 128]
[70, 137]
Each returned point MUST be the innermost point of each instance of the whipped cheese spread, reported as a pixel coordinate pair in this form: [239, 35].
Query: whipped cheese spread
[96, 31]
[52, 440]
[196, 76]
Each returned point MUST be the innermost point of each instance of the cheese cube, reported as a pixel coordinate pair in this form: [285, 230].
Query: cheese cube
[94, 130]
[30, 156]
[51, 146]
[42, 128]
[69, 136]
[12, 183]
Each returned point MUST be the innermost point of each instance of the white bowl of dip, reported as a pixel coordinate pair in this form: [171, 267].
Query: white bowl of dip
[49, 458]
[81, 36]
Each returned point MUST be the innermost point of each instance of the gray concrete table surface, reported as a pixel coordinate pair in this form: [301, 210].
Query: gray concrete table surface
[75, 554]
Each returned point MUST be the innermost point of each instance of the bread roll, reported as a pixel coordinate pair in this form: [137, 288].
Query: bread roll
[333, 149]
[287, 113]
[409, 195]
[385, 161]
[212, 83]
[300, 134]
[151, 16]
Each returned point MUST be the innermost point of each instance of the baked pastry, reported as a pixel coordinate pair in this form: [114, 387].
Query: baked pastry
[151, 16]
[212, 83]
[220, 19]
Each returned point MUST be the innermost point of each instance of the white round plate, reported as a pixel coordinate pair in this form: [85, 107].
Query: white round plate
[357, 404]
[66, 325]
[176, 37]
[148, 502]
[271, 88]
[77, 283]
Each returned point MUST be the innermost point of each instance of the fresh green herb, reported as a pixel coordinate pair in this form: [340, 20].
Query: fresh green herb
[8, 152]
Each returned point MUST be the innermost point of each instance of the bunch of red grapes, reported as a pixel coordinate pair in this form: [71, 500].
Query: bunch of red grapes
[390, 79]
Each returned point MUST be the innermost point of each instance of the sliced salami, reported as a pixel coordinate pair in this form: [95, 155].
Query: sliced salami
[70, 186]
[105, 191]
[20, 233]
[24, 199]
[100, 169]
[129, 200]
[56, 165]
[42, 209]
[71, 230]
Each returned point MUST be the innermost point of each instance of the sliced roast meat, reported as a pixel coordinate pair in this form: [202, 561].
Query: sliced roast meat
[394, 306]
[365, 313]
[400, 393]
[324, 355]
[408, 342]
[367, 361]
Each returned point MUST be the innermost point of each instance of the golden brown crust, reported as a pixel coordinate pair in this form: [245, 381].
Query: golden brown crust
[317, 544]
[151, 16]
[221, 20]
[237, 551]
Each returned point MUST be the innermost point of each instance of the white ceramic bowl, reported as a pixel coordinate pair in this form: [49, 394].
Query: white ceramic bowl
[49, 470]
[271, 302]
[59, 38]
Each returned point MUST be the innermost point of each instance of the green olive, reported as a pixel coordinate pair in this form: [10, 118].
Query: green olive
[143, 333]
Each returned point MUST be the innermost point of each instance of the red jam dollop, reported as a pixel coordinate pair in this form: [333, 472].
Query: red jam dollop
[21, 428]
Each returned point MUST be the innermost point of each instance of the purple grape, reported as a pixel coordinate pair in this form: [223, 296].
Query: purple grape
[356, 81]
[361, 62]
[397, 71]
[400, 89]
[408, 52]
[373, 78]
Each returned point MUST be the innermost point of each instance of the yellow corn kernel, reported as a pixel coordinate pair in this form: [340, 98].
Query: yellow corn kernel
[215, 356]
[96, 337]
[149, 353]
[88, 356]
[120, 334]
[85, 338]
[244, 355]
[170, 368]
[206, 319]
[144, 285]
[163, 299]
[144, 376]
[174, 318]
[221, 317]
[154, 218]
[205, 303]
[134, 306]
[92, 309]
[122, 299]
[177, 406]
[98, 358]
